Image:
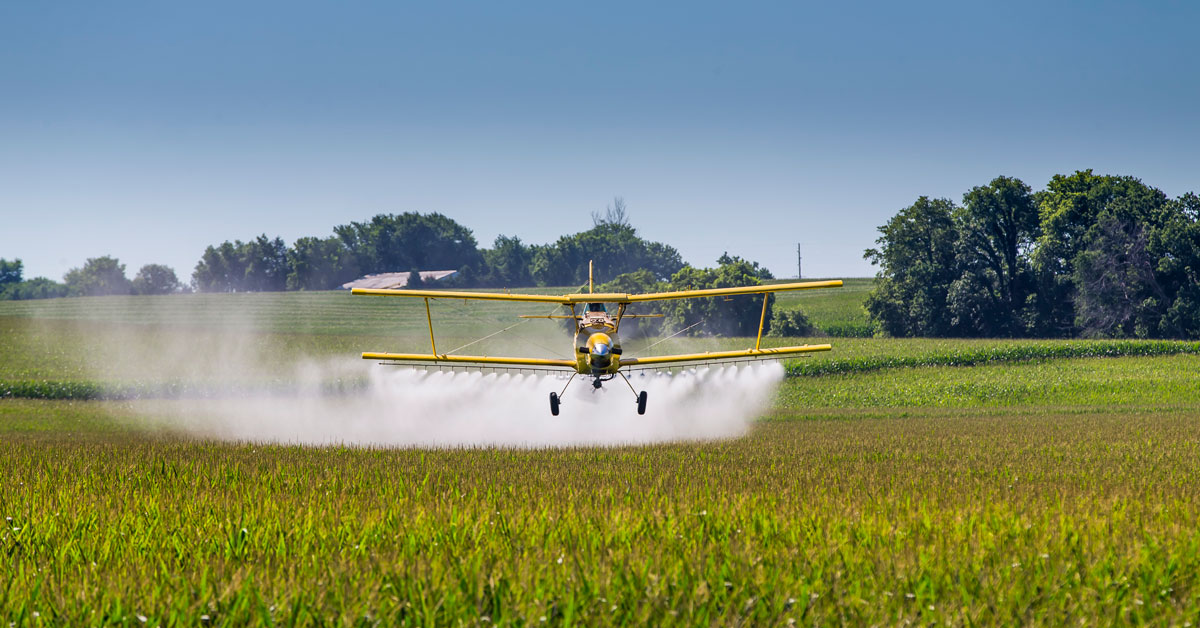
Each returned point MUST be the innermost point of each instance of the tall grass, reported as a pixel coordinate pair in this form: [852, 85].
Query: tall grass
[1043, 485]
[1021, 518]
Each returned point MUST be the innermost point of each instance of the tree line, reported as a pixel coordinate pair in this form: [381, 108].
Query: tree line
[1090, 255]
[386, 243]
[413, 241]
[99, 276]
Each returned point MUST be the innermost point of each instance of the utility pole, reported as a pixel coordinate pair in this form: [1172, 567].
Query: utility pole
[799, 263]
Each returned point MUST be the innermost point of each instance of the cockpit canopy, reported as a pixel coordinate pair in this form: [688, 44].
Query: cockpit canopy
[597, 307]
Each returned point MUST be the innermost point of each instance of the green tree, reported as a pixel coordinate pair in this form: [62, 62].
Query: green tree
[320, 264]
[99, 276]
[612, 243]
[221, 268]
[393, 242]
[997, 227]
[266, 264]
[260, 265]
[1175, 245]
[414, 281]
[10, 273]
[638, 282]
[1115, 286]
[718, 316]
[36, 288]
[1071, 208]
[790, 324]
[508, 263]
[759, 271]
[917, 265]
[155, 279]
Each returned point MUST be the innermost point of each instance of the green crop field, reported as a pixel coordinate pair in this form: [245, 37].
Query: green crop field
[835, 311]
[892, 482]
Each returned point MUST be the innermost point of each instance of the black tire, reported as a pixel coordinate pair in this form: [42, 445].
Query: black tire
[642, 403]
[554, 404]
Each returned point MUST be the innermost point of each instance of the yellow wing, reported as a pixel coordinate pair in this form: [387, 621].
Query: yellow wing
[721, 292]
[719, 356]
[458, 294]
[470, 359]
[598, 297]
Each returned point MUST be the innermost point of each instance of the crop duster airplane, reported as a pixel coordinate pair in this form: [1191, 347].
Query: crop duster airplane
[597, 347]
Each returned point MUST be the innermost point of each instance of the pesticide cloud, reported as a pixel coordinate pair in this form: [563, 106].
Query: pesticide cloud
[224, 376]
[413, 408]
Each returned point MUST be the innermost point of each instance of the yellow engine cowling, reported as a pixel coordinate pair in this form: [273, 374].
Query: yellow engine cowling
[600, 354]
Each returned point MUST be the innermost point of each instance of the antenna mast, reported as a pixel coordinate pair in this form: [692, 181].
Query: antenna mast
[799, 263]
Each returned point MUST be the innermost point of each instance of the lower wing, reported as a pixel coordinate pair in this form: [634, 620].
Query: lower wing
[714, 357]
[481, 361]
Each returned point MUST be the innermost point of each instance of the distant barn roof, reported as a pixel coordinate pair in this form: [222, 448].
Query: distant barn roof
[391, 281]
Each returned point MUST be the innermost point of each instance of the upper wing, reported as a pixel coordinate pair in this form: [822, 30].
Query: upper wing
[596, 297]
[452, 294]
[719, 292]
[720, 356]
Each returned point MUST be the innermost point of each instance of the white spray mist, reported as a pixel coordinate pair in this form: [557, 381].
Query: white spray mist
[258, 386]
[403, 407]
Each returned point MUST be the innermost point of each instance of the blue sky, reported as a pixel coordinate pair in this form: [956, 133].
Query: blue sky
[150, 130]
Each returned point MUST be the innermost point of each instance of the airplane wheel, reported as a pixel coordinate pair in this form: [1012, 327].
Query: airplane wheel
[554, 404]
[642, 403]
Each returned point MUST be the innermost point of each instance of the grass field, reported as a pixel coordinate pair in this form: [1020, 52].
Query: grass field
[1034, 487]
[836, 311]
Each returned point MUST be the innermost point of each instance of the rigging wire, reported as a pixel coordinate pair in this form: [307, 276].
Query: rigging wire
[670, 337]
[449, 303]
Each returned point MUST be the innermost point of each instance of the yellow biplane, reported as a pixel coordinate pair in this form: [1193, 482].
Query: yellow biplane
[597, 348]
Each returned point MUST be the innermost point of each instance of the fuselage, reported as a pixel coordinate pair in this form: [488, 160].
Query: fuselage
[597, 347]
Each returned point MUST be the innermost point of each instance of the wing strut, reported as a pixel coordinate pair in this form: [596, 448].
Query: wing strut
[761, 319]
[429, 317]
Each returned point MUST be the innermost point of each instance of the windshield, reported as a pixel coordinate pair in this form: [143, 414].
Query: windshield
[596, 307]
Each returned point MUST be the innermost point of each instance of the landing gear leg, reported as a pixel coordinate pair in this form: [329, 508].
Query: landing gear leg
[641, 397]
[556, 398]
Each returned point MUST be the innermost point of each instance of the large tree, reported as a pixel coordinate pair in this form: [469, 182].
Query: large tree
[917, 265]
[507, 264]
[155, 279]
[403, 242]
[260, 265]
[1175, 247]
[266, 264]
[99, 276]
[720, 316]
[612, 243]
[10, 272]
[997, 226]
[320, 264]
[1079, 213]
[221, 268]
